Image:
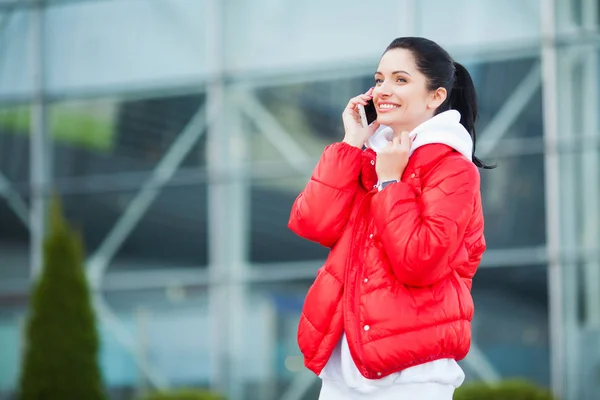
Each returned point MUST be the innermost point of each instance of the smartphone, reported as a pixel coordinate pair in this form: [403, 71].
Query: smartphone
[368, 113]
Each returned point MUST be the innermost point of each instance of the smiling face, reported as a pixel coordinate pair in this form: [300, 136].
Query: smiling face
[401, 95]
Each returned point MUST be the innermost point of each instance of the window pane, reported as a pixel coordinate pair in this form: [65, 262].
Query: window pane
[511, 322]
[119, 136]
[513, 202]
[172, 232]
[14, 200]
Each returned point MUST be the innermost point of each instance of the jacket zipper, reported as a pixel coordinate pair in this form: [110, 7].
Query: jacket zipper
[358, 232]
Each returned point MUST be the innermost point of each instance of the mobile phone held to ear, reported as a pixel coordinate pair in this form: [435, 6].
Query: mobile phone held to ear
[368, 113]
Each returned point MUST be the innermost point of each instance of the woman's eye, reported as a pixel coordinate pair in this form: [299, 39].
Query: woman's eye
[378, 81]
[402, 80]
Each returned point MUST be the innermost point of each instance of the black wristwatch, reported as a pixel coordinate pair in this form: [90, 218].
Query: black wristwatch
[384, 184]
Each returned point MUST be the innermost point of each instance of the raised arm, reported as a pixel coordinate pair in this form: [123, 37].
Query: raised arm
[321, 211]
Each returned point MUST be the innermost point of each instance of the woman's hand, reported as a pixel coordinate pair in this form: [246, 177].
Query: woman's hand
[392, 160]
[355, 134]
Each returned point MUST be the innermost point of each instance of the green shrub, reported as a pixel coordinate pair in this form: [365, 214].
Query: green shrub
[61, 348]
[505, 390]
[183, 394]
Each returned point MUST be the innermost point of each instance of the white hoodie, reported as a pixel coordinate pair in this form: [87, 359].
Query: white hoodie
[433, 380]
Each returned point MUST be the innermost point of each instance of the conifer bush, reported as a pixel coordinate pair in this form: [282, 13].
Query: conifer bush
[60, 359]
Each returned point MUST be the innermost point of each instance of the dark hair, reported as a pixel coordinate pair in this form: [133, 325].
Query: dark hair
[442, 71]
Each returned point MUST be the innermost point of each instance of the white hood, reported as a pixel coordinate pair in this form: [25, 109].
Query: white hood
[444, 128]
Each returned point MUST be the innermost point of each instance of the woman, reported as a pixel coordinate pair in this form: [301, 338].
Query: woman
[389, 314]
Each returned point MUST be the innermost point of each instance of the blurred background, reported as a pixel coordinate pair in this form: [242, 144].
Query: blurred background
[178, 133]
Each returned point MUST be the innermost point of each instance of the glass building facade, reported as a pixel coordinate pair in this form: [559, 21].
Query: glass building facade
[178, 133]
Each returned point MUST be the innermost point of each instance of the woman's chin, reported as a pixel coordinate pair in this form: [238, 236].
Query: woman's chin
[383, 119]
[387, 120]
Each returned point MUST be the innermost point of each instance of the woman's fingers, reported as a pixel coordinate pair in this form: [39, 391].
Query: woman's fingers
[360, 99]
[354, 102]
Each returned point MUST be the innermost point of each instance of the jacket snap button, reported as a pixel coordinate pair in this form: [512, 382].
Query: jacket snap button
[412, 175]
[372, 162]
[367, 327]
[379, 374]
[371, 236]
[366, 280]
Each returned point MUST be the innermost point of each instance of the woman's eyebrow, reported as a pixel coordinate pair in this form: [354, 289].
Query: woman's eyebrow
[395, 73]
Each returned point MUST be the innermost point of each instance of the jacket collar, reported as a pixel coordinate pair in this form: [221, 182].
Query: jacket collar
[433, 140]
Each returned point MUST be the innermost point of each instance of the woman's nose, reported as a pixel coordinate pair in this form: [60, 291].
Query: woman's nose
[382, 94]
[382, 90]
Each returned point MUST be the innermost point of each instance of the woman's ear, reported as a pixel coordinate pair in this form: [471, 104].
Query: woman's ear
[438, 97]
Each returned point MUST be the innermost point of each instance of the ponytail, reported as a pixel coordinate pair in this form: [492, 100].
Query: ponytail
[464, 99]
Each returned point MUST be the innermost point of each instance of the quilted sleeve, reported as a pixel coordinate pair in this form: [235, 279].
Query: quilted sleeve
[321, 211]
[419, 232]
[475, 255]
[475, 242]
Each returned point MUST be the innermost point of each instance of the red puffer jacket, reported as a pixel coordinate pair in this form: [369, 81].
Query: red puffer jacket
[398, 278]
